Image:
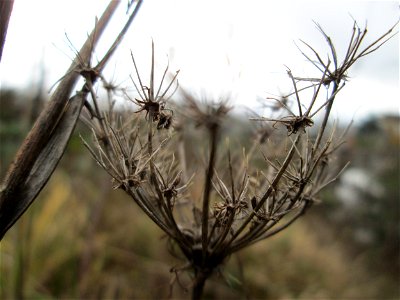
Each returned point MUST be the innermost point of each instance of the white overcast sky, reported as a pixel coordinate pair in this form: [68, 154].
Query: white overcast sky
[221, 47]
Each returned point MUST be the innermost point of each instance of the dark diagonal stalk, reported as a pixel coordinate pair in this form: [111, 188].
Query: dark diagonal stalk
[16, 186]
[49, 118]
[36, 160]
[5, 14]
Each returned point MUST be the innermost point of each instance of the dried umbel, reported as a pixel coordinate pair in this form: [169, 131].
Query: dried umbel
[240, 203]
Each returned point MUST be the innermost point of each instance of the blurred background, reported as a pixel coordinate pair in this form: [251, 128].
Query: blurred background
[81, 239]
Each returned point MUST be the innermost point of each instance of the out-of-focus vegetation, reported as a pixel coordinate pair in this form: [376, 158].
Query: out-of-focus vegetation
[365, 213]
[80, 239]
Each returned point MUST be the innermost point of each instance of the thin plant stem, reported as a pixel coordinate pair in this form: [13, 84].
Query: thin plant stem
[207, 190]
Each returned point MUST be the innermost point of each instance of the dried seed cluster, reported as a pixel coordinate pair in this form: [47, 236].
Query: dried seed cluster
[240, 204]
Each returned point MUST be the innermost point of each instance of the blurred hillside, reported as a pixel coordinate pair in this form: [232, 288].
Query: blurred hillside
[81, 239]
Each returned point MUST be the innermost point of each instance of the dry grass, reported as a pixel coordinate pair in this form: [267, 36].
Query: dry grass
[134, 264]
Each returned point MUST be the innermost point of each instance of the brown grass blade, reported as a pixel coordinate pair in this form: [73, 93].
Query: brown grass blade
[42, 134]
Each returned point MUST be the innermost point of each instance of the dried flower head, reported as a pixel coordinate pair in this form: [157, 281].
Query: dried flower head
[239, 203]
[151, 101]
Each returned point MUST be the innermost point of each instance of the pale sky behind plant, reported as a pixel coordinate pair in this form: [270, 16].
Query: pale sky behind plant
[236, 48]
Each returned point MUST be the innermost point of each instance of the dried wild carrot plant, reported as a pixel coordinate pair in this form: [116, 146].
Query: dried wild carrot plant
[241, 204]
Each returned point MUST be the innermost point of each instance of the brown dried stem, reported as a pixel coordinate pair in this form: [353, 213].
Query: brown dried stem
[42, 148]
[5, 14]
